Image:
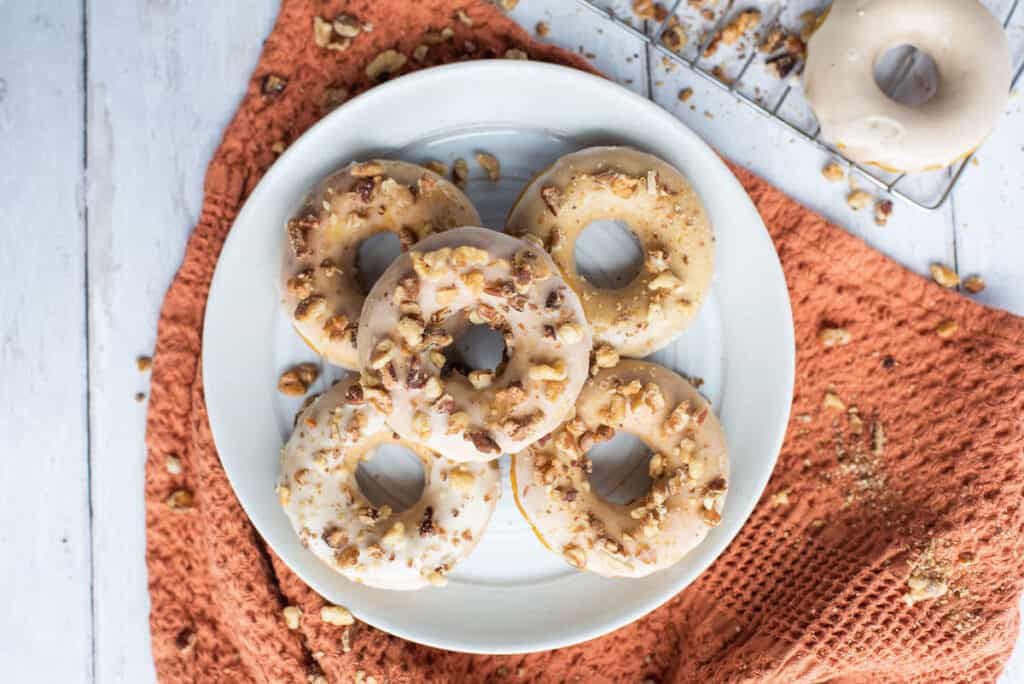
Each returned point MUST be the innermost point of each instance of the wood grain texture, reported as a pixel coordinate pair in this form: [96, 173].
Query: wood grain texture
[46, 624]
[161, 90]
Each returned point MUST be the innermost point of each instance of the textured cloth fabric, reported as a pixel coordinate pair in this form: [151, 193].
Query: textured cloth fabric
[911, 468]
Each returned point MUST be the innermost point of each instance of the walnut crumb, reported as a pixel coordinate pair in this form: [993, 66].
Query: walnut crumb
[273, 84]
[385, 64]
[490, 164]
[947, 328]
[833, 402]
[974, 284]
[419, 53]
[173, 465]
[143, 363]
[944, 275]
[460, 172]
[296, 381]
[292, 616]
[180, 500]
[833, 172]
[858, 199]
[883, 210]
[685, 94]
[336, 615]
[543, 28]
[833, 337]
[516, 53]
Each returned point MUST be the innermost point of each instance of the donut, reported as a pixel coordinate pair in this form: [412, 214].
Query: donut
[970, 50]
[427, 297]
[368, 544]
[319, 281]
[661, 210]
[688, 470]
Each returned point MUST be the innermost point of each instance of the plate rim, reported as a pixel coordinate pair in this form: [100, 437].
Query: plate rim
[493, 69]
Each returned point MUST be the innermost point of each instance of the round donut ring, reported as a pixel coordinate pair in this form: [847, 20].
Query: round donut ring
[662, 211]
[366, 544]
[971, 53]
[319, 274]
[422, 302]
[688, 470]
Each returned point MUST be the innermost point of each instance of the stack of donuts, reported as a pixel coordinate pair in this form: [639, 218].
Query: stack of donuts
[566, 382]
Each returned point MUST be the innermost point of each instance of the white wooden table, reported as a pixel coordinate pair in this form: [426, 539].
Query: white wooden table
[109, 112]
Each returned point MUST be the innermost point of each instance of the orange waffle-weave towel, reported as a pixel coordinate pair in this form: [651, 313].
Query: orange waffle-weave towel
[811, 589]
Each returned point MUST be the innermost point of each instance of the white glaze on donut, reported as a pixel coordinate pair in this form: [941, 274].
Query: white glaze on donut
[319, 281]
[663, 212]
[426, 297]
[689, 471]
[972, 55]
[319, 493]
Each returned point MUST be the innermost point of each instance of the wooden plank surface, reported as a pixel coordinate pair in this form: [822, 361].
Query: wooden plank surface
[161, 90]
[46, 623]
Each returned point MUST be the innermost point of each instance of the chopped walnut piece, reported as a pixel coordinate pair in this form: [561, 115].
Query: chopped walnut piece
[734, 30]
[575, 555]
[310, 308]
[685, 94]
[858, 199]
[332, 98]
[605, 356]
[974, 284]
[490, 164]
[542, 28]
[552, 197]
[460, 172]
[674, 37]
[781, 497]
[462, 480]
[336, 327]
[346, 26]
[273, 84]
[284, 494]
[437, 166]
[947, 328]
[711, 517]
[348, 558]
[944, 275]
[173, 465]
[665, 281]
[543, 371]
[143, 363]
[322, 32]
[292, 616]
[481, 379]
[180, 500]
[385, 64]
[883, 210]
[298, 234]
[830, 336]
[515, 53]
[395, 536]
[411, 329]
[463, 17]
[833, 172]
[367, 169]
[457, 422]
[833, 402]
[382, 353]
[482, 441]
[569, 333]
[419, 53]
[296, 380]
[336, 615]
[924, 587]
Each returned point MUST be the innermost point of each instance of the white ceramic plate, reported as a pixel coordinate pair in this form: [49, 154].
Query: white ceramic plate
[511, 595]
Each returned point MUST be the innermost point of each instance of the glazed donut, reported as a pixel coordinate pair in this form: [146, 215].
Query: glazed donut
[662, 211]
[688, 470]
[427, 297]
[319, 274]
[370, 545]
[973, 58]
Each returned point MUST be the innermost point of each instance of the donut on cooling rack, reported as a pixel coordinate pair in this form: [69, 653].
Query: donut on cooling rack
[972, 57]
[688, 469]
[368, 544]
[662, 211]
[319, 272]
[428, 297]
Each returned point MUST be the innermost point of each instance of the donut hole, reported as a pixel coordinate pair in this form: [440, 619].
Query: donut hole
[392, 475]
[621, 468]
[907, 75]
[476, 347]
[374, 255]
[608, 254]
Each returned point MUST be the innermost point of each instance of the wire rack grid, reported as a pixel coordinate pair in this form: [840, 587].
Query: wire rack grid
[697, 63]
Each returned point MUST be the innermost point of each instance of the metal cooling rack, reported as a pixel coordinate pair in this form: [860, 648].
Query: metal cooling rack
[894, 184]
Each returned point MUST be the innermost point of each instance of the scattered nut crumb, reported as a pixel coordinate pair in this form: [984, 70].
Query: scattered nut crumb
[278, 147]
[336, 615]
[292, 616]
[385, 64]
[685, 94]
[947, 328]
[420, 53]
[346, 26]
[974, 284]
[464, 18]
[173, 465]
[332, 98]
[833, 172]
[781, 497]
[832, 337]
[140, 397]
[460, 172]
[273, 84]
[858, 199]
[742, 23]
[508, 5]
[543, 28]
[437, 166]
[833, 402]
[143, 363]
[180, 500]
[515, 53]
[924, 587]
[883, 210]
[296, 381]
[490, 164]
[944, 275]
